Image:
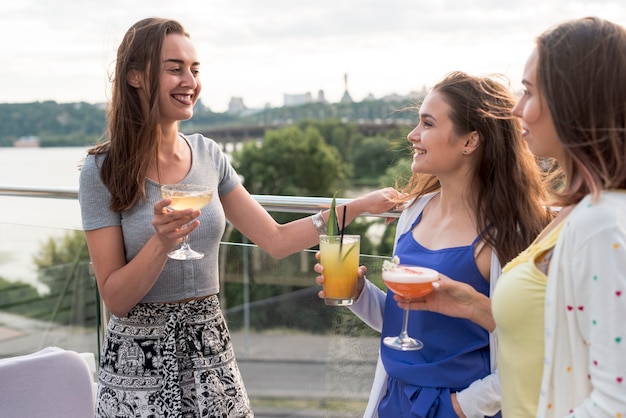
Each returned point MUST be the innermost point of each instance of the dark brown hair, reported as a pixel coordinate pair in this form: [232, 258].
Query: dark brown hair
[510, 189]
[133, 131]
[582, 75]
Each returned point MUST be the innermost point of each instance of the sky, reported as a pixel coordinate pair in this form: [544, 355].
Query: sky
[259, 50]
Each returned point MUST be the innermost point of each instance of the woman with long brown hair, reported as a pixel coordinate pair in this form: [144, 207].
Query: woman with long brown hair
[473, 203]
[167, 351]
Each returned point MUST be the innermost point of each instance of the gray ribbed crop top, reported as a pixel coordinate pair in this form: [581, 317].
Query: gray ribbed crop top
[179, 279]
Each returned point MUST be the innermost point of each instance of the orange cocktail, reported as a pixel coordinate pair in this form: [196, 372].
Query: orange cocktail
[340, 260]
[410, 282]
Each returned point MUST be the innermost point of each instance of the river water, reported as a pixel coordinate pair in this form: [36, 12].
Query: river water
[25, 223]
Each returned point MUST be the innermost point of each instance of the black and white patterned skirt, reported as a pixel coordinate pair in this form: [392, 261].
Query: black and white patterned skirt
[171, 360]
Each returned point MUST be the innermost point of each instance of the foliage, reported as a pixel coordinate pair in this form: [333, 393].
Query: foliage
[49, 120]
[62, 265]
[291, 162]
[80, 123]
[70, 248]
[14, 294]
[398, 174]
[371, 158]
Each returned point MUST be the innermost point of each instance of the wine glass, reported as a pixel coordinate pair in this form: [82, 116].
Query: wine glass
[186, 196]
[408, 282]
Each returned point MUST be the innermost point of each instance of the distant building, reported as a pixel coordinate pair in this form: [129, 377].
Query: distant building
[346, 98]
[321, 98]
[390, 98]
[235, 105]
[297, 99]
[27, 142]
[304, 98]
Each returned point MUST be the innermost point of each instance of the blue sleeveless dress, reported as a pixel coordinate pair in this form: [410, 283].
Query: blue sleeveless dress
[456, 351]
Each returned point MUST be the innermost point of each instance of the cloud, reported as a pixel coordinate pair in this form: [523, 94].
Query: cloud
[259, 50]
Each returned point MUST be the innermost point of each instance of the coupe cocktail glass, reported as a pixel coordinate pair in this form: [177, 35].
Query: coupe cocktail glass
[186, 196]
[408, 282]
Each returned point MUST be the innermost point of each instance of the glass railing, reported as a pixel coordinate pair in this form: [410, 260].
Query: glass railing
[295, 353]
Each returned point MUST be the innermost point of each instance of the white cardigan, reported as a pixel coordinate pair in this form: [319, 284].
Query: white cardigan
[482, 397]
[585, 314]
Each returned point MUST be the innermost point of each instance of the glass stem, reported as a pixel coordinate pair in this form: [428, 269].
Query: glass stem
[185, 243]
[405, 324]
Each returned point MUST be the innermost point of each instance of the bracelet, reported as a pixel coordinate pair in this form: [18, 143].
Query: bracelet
[319, 223]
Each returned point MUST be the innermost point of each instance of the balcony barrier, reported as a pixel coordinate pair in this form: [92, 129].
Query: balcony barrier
[296, 355]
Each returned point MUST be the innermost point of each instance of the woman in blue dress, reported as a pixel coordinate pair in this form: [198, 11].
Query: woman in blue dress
[472, 203]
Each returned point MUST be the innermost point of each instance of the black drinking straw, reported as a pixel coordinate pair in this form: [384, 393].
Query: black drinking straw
[343, 225]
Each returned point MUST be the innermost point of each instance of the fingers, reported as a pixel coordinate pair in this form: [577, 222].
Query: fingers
[160, 206]
[319, 280]
[172, 225]
[168, 215]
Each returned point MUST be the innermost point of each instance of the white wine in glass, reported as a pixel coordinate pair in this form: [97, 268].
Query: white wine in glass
[186, 196]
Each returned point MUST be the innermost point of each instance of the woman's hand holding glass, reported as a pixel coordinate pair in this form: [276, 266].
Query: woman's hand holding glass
[184, 196]
[318, 268]
[172, 225]
[455, 299]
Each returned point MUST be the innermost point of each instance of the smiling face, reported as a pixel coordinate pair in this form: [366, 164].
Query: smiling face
[437, 149]
[179, 83]
[538, 126]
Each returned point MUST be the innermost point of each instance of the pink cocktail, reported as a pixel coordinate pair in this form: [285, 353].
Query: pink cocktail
[408, 282]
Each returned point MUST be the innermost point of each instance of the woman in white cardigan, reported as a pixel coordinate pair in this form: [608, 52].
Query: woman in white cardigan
[472, 202]
[567, 337]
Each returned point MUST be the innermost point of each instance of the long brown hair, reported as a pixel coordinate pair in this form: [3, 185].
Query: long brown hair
[510, 189]
[133, 133]
[582, 75]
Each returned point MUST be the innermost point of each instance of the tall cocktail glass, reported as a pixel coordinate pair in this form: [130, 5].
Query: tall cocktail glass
[340, 259]
[408, 282]
[186, 196]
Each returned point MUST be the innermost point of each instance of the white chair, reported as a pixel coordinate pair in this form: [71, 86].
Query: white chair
[50, 383]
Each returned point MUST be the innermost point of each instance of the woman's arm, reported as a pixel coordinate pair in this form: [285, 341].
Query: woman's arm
[281, 240]
[597, 285]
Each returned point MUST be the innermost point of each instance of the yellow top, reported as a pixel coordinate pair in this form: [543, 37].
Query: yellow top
[518, 310]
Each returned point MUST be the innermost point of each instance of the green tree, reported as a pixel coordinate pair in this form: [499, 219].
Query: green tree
[340, 135]
[293, 162]
[63, 265]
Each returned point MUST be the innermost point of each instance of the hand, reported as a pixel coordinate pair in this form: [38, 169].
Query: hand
[449, 297]
[172, 225]
[318, 268]
[456, 406]
[382, 200]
